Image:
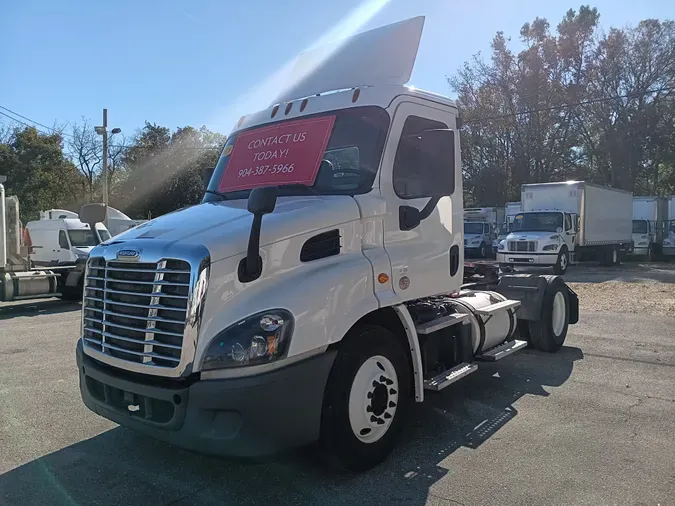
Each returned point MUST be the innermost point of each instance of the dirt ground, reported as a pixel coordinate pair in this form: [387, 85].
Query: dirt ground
[631, 287]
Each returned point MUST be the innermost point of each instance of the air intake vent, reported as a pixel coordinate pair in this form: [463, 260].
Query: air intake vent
[321, 246]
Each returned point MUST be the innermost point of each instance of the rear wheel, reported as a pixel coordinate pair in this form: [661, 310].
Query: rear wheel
[366, 398]
[548, 334]
[612, 256]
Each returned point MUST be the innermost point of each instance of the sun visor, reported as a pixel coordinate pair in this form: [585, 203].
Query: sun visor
[380, 57]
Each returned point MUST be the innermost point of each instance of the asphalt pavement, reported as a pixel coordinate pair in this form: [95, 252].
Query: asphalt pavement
[593, 424]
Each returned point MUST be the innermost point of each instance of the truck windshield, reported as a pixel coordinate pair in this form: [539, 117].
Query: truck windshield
[537, 222]
[639, 227]
[81, 238]
[348, 165]
[473, 228]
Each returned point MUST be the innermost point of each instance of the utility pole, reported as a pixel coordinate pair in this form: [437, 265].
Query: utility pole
[104, 167]
[103, 131]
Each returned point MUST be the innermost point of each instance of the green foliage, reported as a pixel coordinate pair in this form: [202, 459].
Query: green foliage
[38, 172]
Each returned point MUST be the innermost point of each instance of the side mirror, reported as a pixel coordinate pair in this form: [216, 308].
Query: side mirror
[92, 214]
[261, 201]
[207, 173]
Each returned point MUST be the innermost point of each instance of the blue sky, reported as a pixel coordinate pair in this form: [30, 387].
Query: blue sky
[180, 63]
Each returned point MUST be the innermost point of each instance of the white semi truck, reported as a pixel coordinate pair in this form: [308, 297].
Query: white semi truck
[19, 280]
[668, 249]
[319, 288]
[563, 223]
[649, 220]
[480, 229]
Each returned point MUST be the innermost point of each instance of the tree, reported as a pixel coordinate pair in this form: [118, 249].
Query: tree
[570, 104]
[39, 173]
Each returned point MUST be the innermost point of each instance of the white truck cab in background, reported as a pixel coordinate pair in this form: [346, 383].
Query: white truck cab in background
[62, 241]
[319, 288]
[568, 222]
[480, 229]
[668, 249]
[649, 220]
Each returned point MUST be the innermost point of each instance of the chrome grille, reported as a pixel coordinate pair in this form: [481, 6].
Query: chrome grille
[528, 246]
[137, 311]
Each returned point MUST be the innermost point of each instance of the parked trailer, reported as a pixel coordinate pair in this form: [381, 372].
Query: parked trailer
[18, 279]
[568, 222]
[668, 249]
[281, 313]
[649, 225]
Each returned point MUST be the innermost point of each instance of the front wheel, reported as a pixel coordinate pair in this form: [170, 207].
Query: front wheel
[483, 250]
[563, 262]
[366, 399]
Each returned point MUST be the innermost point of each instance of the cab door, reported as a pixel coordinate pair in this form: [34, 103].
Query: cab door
[570, 231]
[423, 223]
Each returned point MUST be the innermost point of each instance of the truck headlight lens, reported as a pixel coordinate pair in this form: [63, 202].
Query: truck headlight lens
[550, 247]
[502, 246]
[666, 242]
[475, 241]
[642, 243]
[258, 339]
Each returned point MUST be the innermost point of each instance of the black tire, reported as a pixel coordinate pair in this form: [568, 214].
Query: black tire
[542, 333]
[611, 256]
[482, 252]
[563, 262]
[337, 435]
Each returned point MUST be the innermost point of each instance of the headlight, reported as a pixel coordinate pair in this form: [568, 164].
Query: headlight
[80, 255]
[258, 339]
[666, 242]
[643, 243]
[475, 241]
[502, 245]
[550, 247]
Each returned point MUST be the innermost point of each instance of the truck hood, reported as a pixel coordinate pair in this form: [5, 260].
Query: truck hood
[530, 236]
[224, 227]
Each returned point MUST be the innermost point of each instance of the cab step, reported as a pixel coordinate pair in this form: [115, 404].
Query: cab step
[448, 377]
[499, 306]
[501, 351]
[441, 323]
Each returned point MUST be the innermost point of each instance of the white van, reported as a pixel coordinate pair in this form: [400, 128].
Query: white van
[62, 241]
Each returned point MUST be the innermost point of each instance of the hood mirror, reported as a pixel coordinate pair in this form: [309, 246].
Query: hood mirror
[261, 201]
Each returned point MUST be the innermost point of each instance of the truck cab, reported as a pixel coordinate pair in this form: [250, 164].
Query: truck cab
[537, 237]
[62, 241]
[319, 285]
[477, 237]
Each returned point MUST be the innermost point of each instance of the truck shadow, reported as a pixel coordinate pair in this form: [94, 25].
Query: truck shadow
[121, 467]
[37, 308]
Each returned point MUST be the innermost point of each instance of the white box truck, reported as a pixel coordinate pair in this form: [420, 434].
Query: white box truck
[480, 229]
[668, 249]
[319, 288]
[649, 224]
[568, 222]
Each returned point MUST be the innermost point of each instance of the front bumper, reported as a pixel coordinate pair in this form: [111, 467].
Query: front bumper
[244, 417]
[668, 250]
[537, 259]
[640, 251]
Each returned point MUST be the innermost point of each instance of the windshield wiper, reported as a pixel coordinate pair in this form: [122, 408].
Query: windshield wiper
[220, 194]
[303, 186]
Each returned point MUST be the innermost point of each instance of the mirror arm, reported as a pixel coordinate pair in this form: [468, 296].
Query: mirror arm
[429, 208]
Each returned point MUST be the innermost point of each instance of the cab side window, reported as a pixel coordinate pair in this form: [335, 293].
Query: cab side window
[425, 159]
[63, 240]
[486, 228]
[568, 223]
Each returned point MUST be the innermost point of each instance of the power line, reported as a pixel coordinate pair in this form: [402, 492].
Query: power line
[70, 135]
[27, 119]
[567, 106]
